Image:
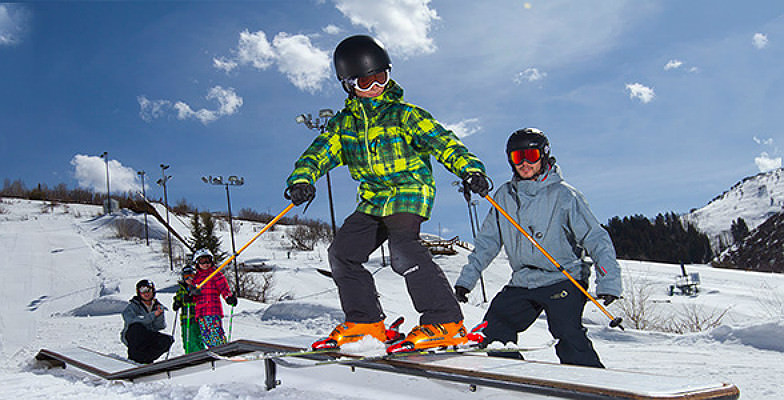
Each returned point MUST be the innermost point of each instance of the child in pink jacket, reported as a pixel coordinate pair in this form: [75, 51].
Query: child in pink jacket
[209, 311]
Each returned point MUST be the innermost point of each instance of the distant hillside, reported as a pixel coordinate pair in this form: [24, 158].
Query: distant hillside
[755, 199]
[762, 250]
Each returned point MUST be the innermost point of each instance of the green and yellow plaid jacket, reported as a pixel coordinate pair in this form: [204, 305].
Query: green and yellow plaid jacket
[386, 145]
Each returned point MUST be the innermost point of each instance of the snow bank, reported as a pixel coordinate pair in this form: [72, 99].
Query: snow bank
[766, 336]
[106, 305]
[300, 312]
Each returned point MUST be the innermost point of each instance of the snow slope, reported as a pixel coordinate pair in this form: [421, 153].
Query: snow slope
[754, 199]
[56, 259]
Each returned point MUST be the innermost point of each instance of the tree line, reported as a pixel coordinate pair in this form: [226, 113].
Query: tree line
[665, 239]
[129, 200]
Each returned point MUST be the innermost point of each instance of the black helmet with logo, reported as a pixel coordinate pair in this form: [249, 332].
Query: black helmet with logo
[529, 138]
[145, 283]
[358, 56]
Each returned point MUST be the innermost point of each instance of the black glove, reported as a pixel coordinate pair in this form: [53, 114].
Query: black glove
[193, 291]
[608, 298]
[231, 300]
[478, 183]
[176, 305]
[462, 294]
[300, 193]
[186, 299]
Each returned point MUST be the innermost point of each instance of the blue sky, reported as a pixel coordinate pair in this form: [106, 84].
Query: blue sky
[650, 106]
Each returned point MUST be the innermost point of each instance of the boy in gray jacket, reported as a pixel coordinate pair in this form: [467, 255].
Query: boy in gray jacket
[559, 219]
[143, 318]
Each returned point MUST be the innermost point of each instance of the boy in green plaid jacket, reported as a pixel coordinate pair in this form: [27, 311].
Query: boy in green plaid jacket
[386, 145]
[189, 328]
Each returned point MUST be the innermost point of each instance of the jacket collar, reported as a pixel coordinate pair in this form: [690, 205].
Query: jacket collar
[531, 187]
[393, 93]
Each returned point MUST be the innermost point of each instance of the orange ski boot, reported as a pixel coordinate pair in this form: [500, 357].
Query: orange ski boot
[348, 332]
[430, 336]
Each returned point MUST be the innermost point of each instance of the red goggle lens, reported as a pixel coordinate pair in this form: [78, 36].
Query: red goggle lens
[531, 155]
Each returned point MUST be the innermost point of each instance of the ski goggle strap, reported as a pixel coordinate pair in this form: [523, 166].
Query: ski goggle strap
[531, 155]
[365, 83]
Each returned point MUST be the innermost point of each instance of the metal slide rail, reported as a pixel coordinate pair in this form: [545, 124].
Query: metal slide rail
[408, 366]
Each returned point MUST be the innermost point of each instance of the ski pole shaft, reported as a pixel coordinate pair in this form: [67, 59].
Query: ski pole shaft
[233, 256]
[174, 326]
[614, 321]
[231, 322]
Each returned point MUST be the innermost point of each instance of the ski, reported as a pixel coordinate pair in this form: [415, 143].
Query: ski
[343, 358]
[272, 355]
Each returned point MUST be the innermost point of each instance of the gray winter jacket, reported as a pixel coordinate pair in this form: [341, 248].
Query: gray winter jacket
[137, 313]
[558, 218]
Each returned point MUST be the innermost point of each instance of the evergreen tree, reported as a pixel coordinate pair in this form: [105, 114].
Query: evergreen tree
[666, 239]
[739, 230]
[203, 234]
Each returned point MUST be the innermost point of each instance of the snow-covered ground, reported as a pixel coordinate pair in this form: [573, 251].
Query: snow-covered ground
[56, 259]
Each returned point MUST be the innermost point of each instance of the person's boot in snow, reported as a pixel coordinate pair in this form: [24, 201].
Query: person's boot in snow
[348, 332]
[430, 336]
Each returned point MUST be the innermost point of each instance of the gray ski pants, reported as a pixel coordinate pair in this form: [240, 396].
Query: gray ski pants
[428, 287]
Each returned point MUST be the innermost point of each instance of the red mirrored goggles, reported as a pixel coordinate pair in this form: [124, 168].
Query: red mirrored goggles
[365, 83]
[530, 155]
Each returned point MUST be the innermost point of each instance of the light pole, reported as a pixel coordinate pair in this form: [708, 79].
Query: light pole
[231, 181]
[144, 194]
[162, 182]
[463, 188]
[320, 125]
[105, 157]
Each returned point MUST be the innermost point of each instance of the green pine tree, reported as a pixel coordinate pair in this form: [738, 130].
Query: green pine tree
[203, 234]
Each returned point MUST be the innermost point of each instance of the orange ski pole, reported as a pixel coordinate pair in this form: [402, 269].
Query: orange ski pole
[233, 256]
[614, 321]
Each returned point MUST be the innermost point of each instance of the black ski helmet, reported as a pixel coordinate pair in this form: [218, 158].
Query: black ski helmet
[145, 283]
[188, 270]
[529, 138]
[358, 56]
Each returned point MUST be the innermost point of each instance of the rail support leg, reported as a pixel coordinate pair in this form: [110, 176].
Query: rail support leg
[271, 370]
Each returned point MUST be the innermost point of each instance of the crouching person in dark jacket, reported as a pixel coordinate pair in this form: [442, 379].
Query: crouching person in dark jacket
[143, 319]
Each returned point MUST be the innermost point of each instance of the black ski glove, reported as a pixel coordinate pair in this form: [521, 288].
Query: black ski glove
[193, 291]
[231, 300]
[478, 183]
[300, 193]
[608, 298]
[462, 294]
[176, 305]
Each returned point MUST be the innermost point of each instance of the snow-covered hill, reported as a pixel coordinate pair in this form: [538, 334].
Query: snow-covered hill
[754, 199]
[57, 258]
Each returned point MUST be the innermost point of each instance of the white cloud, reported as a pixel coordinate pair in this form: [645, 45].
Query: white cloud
[768, 141]
[760, 40]
[640, 91]
[13, 23]
[529, 75]
[254, 49]
[401, 25]
[90, 172]
[465, 128]
[767, 163]
[304, 65]
[228, 103]
[673, 64]
[152, 109]
[332, 29]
